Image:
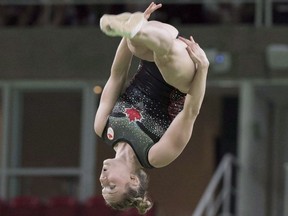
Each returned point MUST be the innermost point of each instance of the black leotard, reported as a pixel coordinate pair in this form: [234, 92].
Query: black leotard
[143, 112]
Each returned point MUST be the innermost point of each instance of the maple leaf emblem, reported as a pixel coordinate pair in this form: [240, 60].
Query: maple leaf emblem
[110, 133]
[133, 114]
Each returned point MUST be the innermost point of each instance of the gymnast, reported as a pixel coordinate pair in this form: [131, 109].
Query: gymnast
[149, 122]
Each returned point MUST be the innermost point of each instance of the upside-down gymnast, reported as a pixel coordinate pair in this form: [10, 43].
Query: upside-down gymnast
[150, 122]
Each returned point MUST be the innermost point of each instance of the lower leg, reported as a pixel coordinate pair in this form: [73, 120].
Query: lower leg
[153, 35]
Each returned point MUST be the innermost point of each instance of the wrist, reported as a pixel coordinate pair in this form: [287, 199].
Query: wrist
[203, 68]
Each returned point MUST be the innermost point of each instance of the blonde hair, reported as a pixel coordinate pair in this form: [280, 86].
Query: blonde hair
[142, 204]
[135, 198]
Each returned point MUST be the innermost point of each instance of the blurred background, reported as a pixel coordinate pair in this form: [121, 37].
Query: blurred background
[54, 61]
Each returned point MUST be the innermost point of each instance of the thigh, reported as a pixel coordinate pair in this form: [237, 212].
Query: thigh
[140, 51]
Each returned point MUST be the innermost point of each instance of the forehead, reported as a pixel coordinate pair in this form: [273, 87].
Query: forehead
[113, 197]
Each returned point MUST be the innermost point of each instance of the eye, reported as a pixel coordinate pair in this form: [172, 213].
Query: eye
[112, 187]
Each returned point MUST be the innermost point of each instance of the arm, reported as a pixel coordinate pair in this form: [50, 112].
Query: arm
[114, 85]
[175, 139]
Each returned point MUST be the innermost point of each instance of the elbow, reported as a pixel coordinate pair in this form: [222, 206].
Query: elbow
[95, 127]
[195, 112]
[98, 128]
[98, 131]
[191, 114]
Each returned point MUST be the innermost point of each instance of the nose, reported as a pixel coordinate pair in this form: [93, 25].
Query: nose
[103, 179]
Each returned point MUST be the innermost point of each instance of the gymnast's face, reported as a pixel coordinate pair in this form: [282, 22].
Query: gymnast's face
[115, 179]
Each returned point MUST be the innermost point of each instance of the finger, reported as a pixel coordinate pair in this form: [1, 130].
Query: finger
[191, 52]
[182, 38]
[150, 6]
[159, 5]
[156, 7]
[186, 41]
[192, 39]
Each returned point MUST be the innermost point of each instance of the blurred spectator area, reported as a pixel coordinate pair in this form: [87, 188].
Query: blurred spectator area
[208, 12]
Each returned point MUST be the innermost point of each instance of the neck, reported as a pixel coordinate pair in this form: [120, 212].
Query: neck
[125, 152]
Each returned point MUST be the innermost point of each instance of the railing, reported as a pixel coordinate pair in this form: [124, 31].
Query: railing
[218, 193]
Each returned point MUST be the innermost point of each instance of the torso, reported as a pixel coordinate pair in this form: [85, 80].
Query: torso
[144, 112]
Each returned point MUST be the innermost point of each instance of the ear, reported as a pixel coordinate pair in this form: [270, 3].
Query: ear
[134, 180]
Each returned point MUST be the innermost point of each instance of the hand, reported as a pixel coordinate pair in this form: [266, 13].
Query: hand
[150, 9]
[195, 52]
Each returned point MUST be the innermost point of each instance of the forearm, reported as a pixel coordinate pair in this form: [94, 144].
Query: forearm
[114, 85]
[122, 60]
[195, 95]
[119, 72]
[180, 130]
